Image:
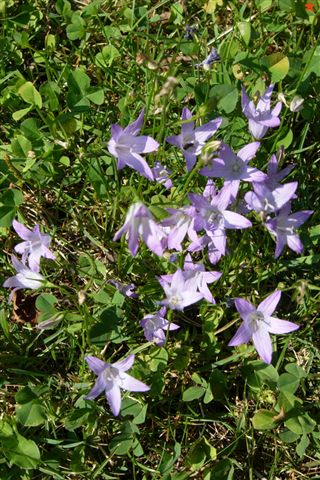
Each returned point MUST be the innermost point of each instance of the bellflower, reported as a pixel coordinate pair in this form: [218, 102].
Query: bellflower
[234, 167]
[274, 174]
[155, 325]
[207, 240]
[24, 278]
[126, 290]
[181, 223]
[179, 292]
[265, 200]
[214, 217]
[213, 57]
[139, 221]
[112, 379]
[196, 278]
[161, 175]
[191, 140]
[284, 226]
[34, 247]
[126, 146]
[261, 117]
[258, 323]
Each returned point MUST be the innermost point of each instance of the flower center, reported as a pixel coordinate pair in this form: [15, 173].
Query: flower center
[175, 300]
[111, 374]
[236, 166]
[255, 320]
[215, 219]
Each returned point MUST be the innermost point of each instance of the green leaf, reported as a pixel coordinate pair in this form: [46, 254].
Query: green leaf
[30, 94]
[300, 424]
[45, 302]
[295, 370]
[302, 445]
[278, 65]
[121, 444]
[106, 58]
[245, 31]
[21, 146]
[76, 30]
[20, 113]
[134, 408]
[9, 202]
[288, 437]
[312, 58]
[193, 393]
[263, 420]
[21, 452]
[288, 383]
[225, 96]
[31, 414]
[286, 140]
[263, 4]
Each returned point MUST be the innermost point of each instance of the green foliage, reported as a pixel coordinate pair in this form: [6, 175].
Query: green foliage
[68, 70]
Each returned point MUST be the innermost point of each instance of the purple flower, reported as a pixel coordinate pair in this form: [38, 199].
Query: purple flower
[181, 223]
[126, 146]
[265, 200]
[234, 167]
[179, 292]
[155, 325]
[126, 290]
[111, 379]
[25, 277]
[213, 57]
[139, 221]
[34, 247]
[191, 140]
[161, 175]
[258, 323]
[214, 217]
[284, 226]
[196, 278]
[274, 175]
[261, 117]
[207, 240]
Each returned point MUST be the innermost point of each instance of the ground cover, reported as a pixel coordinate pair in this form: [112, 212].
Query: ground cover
[160, 162]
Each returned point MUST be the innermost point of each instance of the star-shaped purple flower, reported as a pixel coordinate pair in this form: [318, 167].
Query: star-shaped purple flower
[234, 167]
[139, 221]
[261, 117]
[126, 146]
[284, 226]
[275, 175]
[196, 277]
[179, 292]
[258, 323]
[268, 201]
[112, 379]
[191, 140]
[34, 247]
[155, 325]
[24, 278]
[214, 218]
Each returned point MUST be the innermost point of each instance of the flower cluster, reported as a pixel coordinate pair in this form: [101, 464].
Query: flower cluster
[34, 246]
[202, 222]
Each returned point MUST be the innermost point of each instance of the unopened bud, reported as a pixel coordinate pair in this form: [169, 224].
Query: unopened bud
[296, 103]
[81, 297]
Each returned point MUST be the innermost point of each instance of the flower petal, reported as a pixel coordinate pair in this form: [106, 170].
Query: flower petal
[125, 364]
[95, 364]
[268, 306]
[262, 342]
[244, 307]
[22, 231]
[242, 335]
[276, 325]
[113, 396]
[135, 127]
[98, 388]
[132, 384]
